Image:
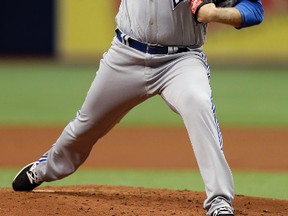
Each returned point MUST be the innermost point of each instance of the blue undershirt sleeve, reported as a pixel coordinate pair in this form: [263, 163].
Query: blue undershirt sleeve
[252, 12]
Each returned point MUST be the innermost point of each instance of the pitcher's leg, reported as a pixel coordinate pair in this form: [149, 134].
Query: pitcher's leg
[112, 94]
[190, 95]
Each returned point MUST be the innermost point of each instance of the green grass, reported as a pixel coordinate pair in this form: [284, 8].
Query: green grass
[42, 93]
[259, 184]
[255, 97]
[50, 94]
[262, 184]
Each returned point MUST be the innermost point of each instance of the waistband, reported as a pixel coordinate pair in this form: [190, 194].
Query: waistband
[148, 48]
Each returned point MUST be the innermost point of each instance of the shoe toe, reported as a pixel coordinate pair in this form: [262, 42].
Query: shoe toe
[21, 181]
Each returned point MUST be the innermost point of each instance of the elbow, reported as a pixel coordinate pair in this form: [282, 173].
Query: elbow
[252, 14]
[259, 21]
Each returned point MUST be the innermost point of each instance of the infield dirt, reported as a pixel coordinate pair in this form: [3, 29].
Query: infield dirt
[157, 148]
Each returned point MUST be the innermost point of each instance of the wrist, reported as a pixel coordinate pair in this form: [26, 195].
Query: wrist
[207, 13]
[213, 14]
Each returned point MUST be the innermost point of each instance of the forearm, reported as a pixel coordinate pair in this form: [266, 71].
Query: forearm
[230, 16]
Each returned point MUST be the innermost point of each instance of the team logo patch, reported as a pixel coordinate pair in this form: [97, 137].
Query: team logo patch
[176, 3]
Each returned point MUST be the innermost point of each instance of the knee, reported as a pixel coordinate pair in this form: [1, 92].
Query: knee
[84, 128]
[195, 103]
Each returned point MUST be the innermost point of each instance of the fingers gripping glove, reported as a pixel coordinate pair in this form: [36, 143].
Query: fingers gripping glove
[195, 5]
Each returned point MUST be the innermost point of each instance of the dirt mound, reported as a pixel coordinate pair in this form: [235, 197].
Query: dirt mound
[116, 201]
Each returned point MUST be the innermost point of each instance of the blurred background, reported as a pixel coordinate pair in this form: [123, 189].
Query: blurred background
[66, 29]
[72, 30]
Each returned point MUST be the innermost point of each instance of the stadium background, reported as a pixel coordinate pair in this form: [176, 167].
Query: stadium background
[71, 30]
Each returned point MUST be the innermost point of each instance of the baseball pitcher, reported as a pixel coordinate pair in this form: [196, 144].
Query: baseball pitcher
[157, 50]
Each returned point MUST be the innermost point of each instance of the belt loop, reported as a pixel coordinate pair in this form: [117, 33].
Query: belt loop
[125, 39]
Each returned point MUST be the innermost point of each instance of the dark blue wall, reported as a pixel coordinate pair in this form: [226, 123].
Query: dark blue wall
[27, 28]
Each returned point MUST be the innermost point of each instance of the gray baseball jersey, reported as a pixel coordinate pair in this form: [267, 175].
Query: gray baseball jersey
[162, 22]
[132, 71]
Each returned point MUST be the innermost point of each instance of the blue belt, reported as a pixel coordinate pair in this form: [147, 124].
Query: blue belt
[147, 48]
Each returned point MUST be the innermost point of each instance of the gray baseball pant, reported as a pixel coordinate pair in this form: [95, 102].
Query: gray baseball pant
[127, 77]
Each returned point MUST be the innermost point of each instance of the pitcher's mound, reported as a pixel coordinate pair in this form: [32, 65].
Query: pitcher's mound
[124, 201]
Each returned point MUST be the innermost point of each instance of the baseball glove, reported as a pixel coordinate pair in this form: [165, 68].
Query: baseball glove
[195, 5]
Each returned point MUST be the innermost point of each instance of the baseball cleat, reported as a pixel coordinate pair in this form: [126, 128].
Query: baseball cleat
[26, 179]
[223, 211]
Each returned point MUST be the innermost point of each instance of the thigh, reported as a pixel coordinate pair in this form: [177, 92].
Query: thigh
[119, 85]
[189, 88]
